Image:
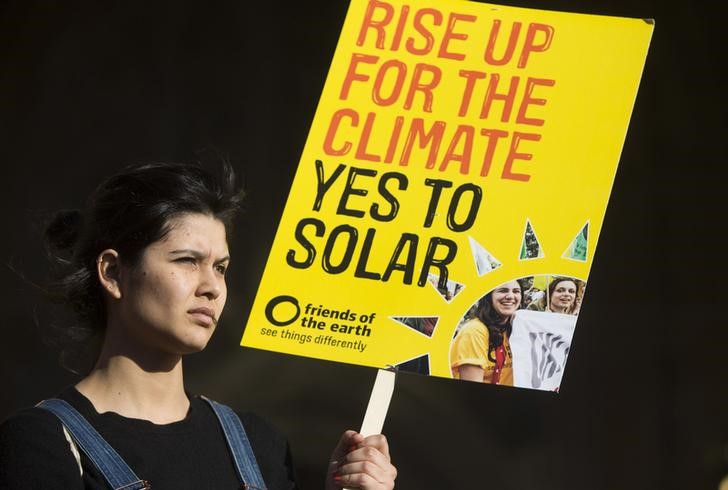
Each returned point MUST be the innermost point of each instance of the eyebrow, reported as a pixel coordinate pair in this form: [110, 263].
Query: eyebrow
[197, 254]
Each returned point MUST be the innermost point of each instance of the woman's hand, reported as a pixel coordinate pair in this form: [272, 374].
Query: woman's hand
[361, 462]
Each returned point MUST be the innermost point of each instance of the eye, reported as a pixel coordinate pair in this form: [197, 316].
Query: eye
[186, 260]
[221, 269]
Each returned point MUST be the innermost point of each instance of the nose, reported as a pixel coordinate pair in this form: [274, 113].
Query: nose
[211, 284]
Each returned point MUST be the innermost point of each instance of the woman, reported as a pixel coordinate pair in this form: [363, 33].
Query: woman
[562, 295]
[480, 351]
[144, 271]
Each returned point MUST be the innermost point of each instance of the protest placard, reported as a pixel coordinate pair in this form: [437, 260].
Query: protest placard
[458, 148]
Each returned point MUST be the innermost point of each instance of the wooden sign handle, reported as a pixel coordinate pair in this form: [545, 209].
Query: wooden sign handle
[378, 403]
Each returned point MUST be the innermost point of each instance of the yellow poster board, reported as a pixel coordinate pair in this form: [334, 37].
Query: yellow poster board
[457, 146]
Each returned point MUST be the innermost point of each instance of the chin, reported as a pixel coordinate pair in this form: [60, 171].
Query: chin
[192, 345]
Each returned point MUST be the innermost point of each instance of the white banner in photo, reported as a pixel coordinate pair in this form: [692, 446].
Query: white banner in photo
[540, 344]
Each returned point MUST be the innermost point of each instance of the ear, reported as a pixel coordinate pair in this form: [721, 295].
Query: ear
[108, 268]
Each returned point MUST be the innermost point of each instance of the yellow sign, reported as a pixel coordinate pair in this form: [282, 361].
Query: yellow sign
[457, 147]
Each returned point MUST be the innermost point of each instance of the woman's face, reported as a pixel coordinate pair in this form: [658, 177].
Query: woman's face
[506, 298]
[172, 299]
[563, 296]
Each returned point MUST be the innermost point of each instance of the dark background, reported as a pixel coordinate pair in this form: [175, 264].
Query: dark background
[86, 87]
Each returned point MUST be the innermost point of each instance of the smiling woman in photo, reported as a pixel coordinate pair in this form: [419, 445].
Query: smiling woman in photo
[562, 295]
[143, 268]
[480, 350]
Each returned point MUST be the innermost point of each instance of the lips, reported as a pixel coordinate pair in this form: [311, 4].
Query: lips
[507, 307]
[204, 315]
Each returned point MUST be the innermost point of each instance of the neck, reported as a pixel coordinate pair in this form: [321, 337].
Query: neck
[136, 385]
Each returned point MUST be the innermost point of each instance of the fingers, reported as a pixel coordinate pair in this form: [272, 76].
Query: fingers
[349, 440]
[372, 449]
[364, 463]
[361, 481]
[379, 442]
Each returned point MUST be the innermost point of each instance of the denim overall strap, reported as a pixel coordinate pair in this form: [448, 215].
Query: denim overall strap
[237, 440]
[112, 467]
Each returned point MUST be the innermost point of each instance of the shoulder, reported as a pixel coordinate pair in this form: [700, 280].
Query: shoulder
[258, 427]
[259, 431]
[265, 439]
[470, 345]
[271, 450]
[29, 426]
[473, 327]
[34, 452]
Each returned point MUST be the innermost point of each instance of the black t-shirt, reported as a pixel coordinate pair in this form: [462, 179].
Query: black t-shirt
[189, 454]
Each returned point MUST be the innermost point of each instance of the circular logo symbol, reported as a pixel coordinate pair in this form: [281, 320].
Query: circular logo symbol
[278, 301]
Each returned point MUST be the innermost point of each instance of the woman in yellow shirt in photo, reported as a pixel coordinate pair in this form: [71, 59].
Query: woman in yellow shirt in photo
[480, 350]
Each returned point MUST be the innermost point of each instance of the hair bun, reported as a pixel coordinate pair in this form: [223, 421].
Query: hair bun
[64, 229]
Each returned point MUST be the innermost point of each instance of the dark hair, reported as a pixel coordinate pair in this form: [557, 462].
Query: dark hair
[127, 212]
[497, 324]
